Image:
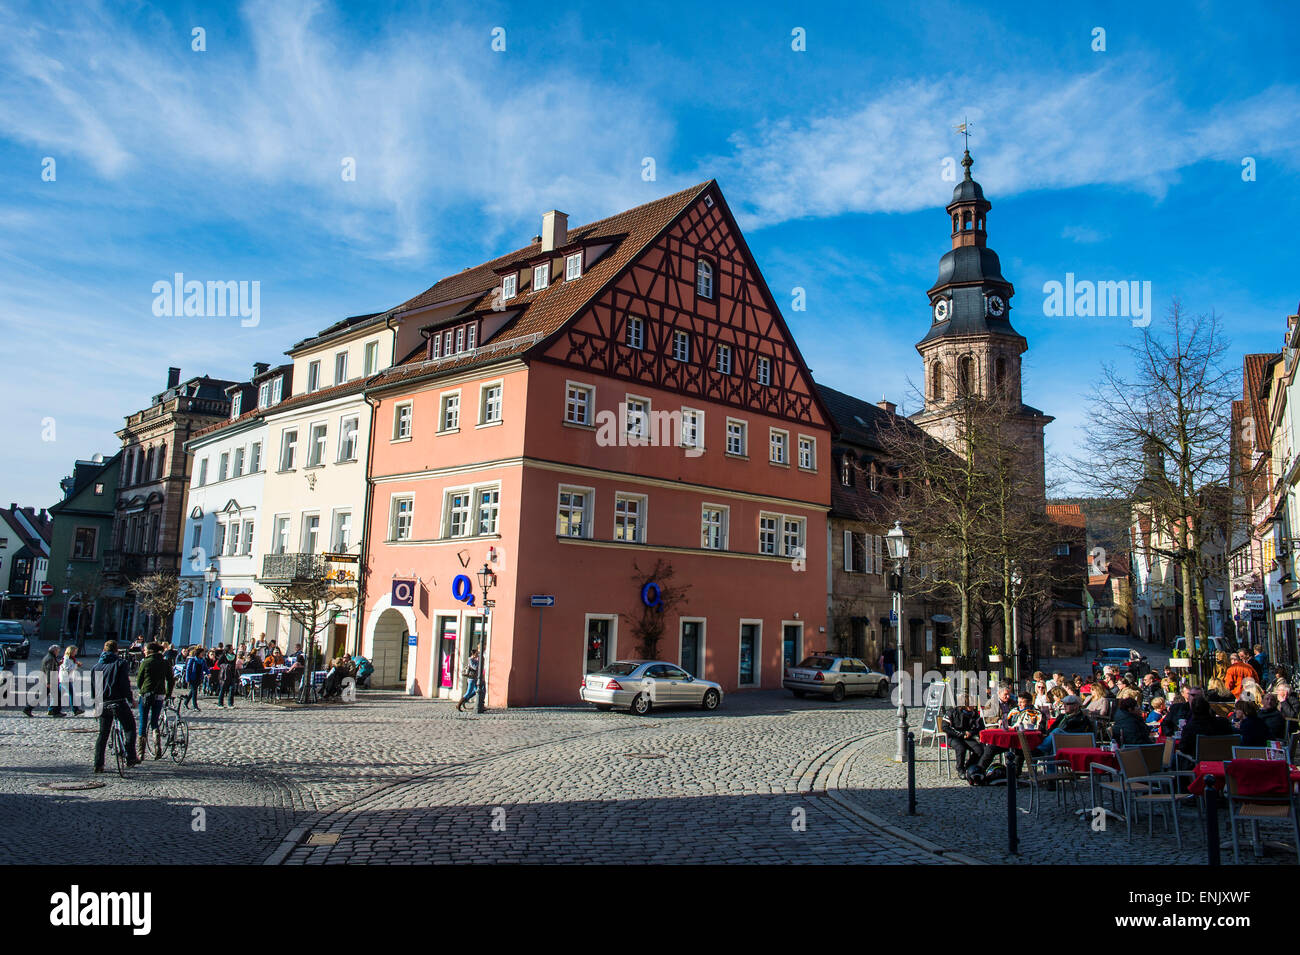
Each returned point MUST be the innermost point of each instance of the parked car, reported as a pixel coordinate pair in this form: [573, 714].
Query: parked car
[834, 676]
[17, 646]
[639, 686]
[1216, 644]
[1122, 657]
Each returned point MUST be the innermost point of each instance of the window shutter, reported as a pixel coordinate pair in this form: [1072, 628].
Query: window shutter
[876, 542]
[848, 551]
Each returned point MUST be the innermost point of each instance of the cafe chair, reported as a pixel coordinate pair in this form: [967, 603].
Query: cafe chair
[1040, 770]
[1216, 749]
[943, 755]
[1250, 752]
[1274, 806]
[270, 685]
[1135, 787]
[1075, 740]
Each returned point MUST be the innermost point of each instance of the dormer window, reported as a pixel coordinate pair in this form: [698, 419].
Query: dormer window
[846, 471]
[704, 278]
[573, 266]
[264, 394]
[277, 389]
[235, 402]
[541, 276]
[471, 331]
[509, 286]
[435, 344]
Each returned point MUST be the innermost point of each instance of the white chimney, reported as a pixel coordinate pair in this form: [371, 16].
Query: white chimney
[555, 230]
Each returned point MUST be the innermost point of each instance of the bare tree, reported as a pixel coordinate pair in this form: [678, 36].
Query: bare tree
[160, 594]
[657, 597]
[1158, 439]
[312, 603]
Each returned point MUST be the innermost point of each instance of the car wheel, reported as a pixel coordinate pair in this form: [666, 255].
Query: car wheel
[798, 693]
[604, 707]
[882, 688]
[837, 694]
[640, 706]
[711, 700]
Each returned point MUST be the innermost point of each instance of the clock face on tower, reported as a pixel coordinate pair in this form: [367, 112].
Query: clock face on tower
[996, 306]
[941, 310]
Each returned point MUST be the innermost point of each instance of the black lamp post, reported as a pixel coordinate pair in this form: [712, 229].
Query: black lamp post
[486, 581]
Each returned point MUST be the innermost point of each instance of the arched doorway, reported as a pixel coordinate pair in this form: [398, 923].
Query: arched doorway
[390, 650]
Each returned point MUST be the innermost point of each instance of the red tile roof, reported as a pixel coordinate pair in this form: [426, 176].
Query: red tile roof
[1070, 515]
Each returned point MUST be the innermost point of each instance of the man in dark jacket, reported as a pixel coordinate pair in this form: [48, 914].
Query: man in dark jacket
[1129, 728]
[962, 727]
[229, 675]
[1287, 703]
[1072, 719]
[1179, 712]
[155, 681]
[112, 678]
[1202, 723]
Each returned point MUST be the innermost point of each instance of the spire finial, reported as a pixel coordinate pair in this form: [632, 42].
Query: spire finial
[964, 128]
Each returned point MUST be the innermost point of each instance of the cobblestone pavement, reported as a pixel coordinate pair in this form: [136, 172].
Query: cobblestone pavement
[408, 780]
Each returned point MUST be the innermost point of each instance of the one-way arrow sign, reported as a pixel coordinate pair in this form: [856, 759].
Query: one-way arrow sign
[542, 600]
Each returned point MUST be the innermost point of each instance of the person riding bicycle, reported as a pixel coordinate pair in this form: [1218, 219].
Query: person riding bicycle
[113, 683]
[155, 680]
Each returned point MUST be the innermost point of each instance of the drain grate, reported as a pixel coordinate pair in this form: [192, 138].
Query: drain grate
[646, 755]
[321, 839]
[73, 787]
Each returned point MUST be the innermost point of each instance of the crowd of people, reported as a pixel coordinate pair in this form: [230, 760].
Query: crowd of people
[1129, 711]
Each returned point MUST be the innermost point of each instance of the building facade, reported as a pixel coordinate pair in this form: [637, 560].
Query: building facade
[24, 561]
[83, 531]
[600, 419]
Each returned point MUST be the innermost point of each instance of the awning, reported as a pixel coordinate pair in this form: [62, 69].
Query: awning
[1291, 613]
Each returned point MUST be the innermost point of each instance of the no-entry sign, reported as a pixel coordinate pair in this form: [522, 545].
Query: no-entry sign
[242, 603]
[47, 590]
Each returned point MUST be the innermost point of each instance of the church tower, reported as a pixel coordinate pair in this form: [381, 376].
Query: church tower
[971, 348]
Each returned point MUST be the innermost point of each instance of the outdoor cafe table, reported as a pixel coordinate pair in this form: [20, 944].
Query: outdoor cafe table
[1216, 769]
[1081, 758]
[1009, 739]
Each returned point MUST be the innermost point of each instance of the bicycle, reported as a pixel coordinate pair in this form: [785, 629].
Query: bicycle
[175, 731]
[117, 742]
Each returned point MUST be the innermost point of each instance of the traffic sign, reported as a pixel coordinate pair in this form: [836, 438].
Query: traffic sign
[542, 600]
[47, 590]
[489, 604]
[242, 603]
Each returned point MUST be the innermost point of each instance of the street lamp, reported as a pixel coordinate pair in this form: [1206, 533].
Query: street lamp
[899, 548]
[486, 581]
[209, 578]
[1015, 629]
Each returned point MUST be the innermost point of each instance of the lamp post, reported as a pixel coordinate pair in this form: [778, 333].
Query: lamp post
[486, 581]
[209, 578]
[899, 548]
[1015, 629]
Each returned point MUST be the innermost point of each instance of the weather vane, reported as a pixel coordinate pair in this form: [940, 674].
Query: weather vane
[964, 128]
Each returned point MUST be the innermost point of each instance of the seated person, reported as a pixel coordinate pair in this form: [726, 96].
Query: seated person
[1272, 717]
[1072, 719]
[1179, 711]
[1158, 712]
[1253, 730]
[1129, 729]
[1217, 692]
[1025, 716]
[996, 710]
[276, 658]
[334, 678]
[254, 664]
[1202, 723]
[1150, 688]
[1287, 702]
[1101, 705]
[962, 727]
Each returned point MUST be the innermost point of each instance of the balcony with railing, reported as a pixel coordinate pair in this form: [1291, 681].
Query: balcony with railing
[128, 564]
[338, 570]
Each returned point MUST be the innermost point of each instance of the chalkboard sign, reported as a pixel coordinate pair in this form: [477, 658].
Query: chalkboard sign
[936, 695]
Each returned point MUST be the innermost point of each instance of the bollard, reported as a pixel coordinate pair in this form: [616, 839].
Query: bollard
[1211, 820]
[1013, 842]
[911, 774]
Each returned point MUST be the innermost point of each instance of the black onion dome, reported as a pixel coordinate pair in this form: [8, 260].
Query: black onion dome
[967, 190]
[969, 263]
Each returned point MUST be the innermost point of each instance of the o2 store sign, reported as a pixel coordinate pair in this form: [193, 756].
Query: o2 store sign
[462, 589]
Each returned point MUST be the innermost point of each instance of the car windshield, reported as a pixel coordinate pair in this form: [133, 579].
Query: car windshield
[11, 628]
[618, 669]
[817, 663]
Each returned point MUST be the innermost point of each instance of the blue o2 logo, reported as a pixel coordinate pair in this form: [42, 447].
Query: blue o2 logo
[463, 590]
[650, 595]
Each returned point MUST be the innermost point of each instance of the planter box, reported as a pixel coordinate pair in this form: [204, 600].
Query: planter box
[993, 659]
[947, 661]
[1181, 663]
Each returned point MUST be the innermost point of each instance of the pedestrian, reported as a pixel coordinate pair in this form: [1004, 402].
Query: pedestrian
[155, 682]
[229, 675]
[113, 679]
[68, 678]
[193, 676]
[50, 669]
[471, 679]
[1260, 662]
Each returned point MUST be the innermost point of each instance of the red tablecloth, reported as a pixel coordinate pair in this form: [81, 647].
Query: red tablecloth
[1009, 739]
[1250, 779]
[1081, 757]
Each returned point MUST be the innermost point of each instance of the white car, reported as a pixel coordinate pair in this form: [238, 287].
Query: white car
[1216, 644]
[834, 676]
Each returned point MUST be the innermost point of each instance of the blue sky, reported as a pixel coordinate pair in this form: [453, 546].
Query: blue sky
[225, 165]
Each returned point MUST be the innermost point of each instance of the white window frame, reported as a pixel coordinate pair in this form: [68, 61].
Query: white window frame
[744, 437]
[336, 546]
[484, 402]
[223, 466]
[588, 510]
[444, 407]
[237, 464]
[249, 535]
[313, 376]
[801, 524]
[460, 339]
[573, 266]
[634, 334]
[449, 512]
[541, 276]
[343, 437]
[711, 291]
[395, 515]
[203, 473]
[724, 528]
[236, 401]
[471, 335]
[681, 345]
[642, 435]
[477, 508]
[317, 443]
[724, 359]
[588, 406]
[281, 525]
[264, 395]
[783, 445]
[509, 286]
[409, 408]
[370, 361]
[303, 524]
[642, 503]
[255, 457]
[696, 417]
[340, 374]
[277, 389]
[775, 518]
[812, 452]
[435, 345]
[763, 370]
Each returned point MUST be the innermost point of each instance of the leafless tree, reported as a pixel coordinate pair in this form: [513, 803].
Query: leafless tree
[650, 618]
[159, 595]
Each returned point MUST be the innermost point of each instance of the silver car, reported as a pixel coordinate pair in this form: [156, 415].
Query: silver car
[640, 685]
[834, 676]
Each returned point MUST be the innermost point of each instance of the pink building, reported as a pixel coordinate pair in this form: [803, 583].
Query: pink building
[613, 396]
